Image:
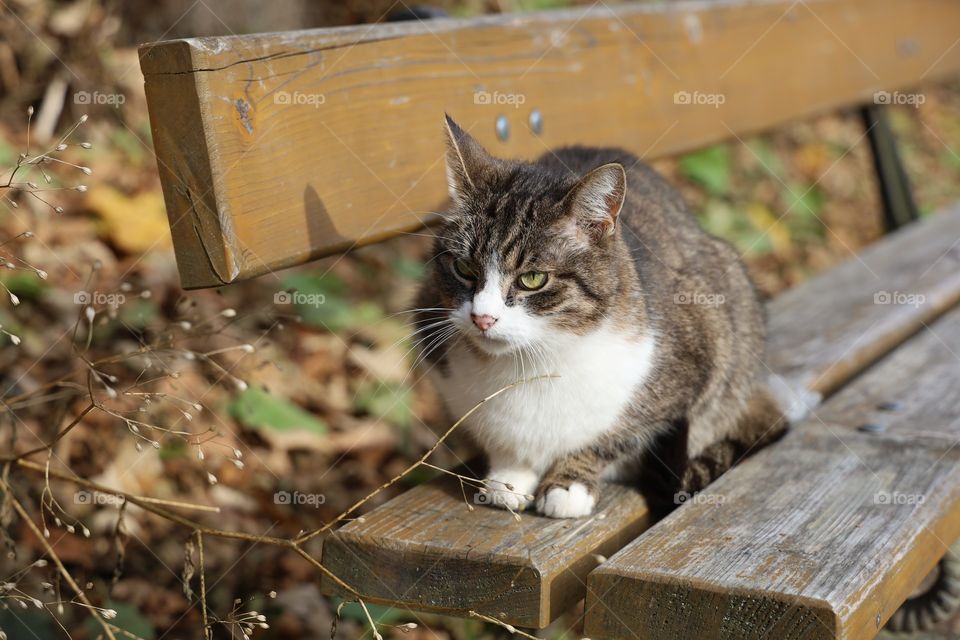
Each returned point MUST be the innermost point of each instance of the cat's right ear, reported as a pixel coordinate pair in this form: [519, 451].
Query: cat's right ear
[466, 161]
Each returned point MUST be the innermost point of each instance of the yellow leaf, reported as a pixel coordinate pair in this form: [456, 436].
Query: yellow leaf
[770, 224]
[134, 224]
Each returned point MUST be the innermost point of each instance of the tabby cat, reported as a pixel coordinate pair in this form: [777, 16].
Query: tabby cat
[636, 336]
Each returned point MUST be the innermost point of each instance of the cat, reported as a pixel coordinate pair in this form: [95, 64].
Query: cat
[634, 339]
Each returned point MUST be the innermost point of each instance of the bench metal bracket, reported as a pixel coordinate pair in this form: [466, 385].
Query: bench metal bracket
[899, 207]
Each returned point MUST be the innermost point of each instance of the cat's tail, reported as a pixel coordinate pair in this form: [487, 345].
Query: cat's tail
[795, 401]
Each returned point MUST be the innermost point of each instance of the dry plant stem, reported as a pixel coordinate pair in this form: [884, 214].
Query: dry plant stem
[83, 482]
[56, 560]
[190, 524]
[415, 464]
[501, 623]
[203, 589]
[152, 505]
[60, 434]
[373, 625]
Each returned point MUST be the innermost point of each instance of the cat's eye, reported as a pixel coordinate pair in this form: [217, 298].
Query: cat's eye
[532, 280]
[464, 269]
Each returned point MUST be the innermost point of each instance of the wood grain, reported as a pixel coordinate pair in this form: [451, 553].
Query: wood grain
[824, 534]
[426, 550]
[835, 325]
[280, 148]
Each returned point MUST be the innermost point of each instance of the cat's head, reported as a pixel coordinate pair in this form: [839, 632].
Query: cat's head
[529, 253]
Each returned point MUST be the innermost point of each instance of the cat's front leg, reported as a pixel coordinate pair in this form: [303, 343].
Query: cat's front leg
[509, 484]
[571, 487]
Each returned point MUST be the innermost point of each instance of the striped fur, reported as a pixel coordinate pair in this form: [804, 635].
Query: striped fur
[641, 352]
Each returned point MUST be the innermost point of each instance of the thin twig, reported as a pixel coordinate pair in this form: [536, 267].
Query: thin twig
[56, 560]
[500, 623]
[203, 589]
[56, 438]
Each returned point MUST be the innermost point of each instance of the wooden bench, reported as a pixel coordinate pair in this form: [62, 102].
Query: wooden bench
[278, 149]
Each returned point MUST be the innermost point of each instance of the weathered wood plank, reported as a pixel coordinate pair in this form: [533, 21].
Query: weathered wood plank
[425, 550]
[823, 535]
[281, 148]
[823, 333]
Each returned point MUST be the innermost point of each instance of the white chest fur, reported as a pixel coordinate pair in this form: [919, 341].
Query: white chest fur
[597, 376]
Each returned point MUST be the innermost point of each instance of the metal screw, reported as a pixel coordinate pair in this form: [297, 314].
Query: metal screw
[871, 427]
[503, 128]
[536, 122]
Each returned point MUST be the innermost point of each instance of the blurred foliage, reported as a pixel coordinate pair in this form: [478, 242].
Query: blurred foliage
[259, 409]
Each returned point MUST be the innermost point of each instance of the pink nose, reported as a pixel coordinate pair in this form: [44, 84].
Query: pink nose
[483, 322]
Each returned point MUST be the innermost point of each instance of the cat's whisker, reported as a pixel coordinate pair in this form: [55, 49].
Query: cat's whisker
[419, 310]
[438, 254]
[432, 341]
[426, 338]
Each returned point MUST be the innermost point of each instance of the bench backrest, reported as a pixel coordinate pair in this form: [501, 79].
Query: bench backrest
[277, 149]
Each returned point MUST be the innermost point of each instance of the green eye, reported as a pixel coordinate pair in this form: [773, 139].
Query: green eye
[464, 270]
[532, 280]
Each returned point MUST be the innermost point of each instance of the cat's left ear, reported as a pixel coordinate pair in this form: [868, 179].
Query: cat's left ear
[596, 200]
[467, 160]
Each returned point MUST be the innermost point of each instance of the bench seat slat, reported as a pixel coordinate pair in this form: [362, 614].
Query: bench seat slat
[821, 536]
[425, 550]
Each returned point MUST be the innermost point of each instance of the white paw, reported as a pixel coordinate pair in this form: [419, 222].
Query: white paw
[574, 502]
[509, 489]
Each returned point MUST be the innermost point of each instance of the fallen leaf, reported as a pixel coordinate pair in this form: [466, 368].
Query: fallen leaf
[134, 224]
